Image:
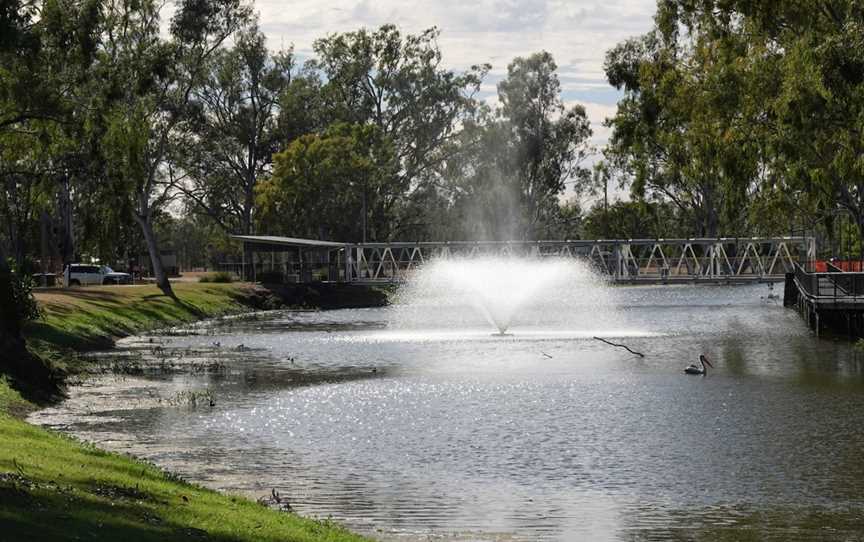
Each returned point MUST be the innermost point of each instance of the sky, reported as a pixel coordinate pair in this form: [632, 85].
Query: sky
[577, 33]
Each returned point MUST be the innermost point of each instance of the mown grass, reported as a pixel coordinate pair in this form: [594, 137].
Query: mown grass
[87, 318]
[11, 401]
[53, 487]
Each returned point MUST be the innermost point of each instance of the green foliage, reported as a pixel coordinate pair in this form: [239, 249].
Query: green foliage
[340, 184]
[394, 82]
[745, 115]
[24, 303]
[550, 141]
[633, 220]
[508, 167]
[684, 129]
[236, 131]
[218, 277]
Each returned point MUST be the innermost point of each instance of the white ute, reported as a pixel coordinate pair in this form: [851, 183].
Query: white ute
[77, 274]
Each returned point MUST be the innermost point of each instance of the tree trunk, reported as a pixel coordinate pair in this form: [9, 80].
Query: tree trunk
[155, 259]
[860, 224]
[247, 274]
[9, 323]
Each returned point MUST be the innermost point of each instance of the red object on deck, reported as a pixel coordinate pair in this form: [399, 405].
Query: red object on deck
[848, 266]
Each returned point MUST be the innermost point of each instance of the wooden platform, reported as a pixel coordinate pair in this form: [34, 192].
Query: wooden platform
[829, 302]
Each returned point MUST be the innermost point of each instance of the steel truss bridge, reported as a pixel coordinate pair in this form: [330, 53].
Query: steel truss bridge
[622, 260]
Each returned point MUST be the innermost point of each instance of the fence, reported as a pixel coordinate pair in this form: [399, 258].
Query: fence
[833, 283]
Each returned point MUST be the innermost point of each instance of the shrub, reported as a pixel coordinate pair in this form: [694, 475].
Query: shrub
[22, 295]
[219, 276]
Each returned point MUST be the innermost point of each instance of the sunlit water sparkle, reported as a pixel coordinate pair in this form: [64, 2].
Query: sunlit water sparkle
[444, 431]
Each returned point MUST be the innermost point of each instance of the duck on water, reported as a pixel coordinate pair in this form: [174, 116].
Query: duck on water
[694, 370]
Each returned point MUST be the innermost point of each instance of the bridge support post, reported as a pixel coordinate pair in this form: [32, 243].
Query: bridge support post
[347, 262]
[811, 249]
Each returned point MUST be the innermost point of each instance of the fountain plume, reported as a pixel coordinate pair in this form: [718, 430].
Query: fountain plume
[505, 291]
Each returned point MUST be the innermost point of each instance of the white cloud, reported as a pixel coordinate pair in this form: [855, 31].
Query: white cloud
[577, 32]
[597, 113]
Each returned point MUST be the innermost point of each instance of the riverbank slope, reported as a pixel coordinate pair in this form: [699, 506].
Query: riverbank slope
[53, 487]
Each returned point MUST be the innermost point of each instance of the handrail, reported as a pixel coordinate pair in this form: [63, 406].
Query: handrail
[830, 284]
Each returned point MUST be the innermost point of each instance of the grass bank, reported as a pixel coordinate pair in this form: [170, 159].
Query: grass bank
[53, 487]
[89, 318]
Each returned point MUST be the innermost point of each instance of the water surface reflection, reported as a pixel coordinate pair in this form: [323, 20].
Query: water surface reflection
[411, 433]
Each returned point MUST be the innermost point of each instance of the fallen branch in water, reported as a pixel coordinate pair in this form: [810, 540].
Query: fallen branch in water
[640, 354]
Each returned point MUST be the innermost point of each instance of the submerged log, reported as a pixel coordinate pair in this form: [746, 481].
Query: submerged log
[640, 354]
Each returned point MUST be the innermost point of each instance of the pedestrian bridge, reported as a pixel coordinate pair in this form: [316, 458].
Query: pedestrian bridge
[729, 259]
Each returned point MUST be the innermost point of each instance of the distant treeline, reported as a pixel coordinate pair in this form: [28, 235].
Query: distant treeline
[119, 139]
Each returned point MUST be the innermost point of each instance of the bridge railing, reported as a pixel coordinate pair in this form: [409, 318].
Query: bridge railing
[621, 260]
[829, 284]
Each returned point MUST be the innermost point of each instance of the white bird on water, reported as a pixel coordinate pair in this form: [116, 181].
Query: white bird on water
[694, 370]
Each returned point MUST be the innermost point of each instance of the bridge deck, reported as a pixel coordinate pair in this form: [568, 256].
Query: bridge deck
[622, 260]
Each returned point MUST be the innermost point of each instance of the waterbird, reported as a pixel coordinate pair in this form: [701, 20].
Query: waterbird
[692, 369]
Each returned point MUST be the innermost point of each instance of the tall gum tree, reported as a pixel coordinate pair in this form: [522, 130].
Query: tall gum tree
[747, 109]
[396, 82]
[685, 130]
[236, 131]
[550, 140]
[152, 80]
[45, 51]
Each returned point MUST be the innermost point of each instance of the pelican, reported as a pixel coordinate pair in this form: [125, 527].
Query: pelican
[694, 370]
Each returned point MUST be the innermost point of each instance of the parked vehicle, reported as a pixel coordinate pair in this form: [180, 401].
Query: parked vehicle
[77, 274]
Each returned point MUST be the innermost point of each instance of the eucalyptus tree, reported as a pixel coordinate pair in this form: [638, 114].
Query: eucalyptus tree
[686, 129]
[549, 139]
[818, 109]
[396, 83]
[741, 106]
[150, 81]
[482, 183]
[339, 184]
[303, 107]
[26, 103]
[236, 131]
[511, 164]
[47, 49]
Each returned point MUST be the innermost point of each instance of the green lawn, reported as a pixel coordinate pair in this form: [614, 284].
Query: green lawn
[86, 318]
[53, 487]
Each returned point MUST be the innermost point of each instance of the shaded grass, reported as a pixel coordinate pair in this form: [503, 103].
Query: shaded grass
[12, 402]
[55, 488]
[90, 318]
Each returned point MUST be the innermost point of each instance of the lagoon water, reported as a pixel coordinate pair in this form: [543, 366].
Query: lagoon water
[443, 431]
